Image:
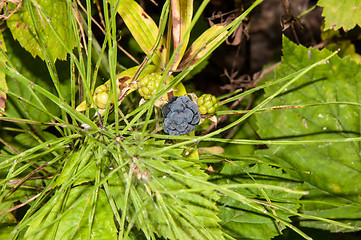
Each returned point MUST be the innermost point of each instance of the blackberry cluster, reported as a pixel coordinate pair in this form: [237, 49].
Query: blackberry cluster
[181, 116]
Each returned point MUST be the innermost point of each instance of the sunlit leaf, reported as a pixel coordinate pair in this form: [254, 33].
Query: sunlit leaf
[341, 14]
[2, 75]
[49, 223]
[23, 29]
[175, 215]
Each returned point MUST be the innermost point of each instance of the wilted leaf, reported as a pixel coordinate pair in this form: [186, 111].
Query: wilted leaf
[341, 14]
[182, 12]
[332, 168]
[23, 28]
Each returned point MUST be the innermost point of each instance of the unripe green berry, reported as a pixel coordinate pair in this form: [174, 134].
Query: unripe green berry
[101, 88]
[207, 104]
[147, 85]
[101, 99]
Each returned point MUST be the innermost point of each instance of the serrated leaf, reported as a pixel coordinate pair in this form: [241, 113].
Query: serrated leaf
[182, 12]
[241, 221]
[334, 168]
[23, 28]
[73, 224]
[341, 14]
[143, 28]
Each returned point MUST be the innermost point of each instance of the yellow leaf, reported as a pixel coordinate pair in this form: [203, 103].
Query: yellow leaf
[203, 44]
[2, 76]
[182, 11]
[142, 27]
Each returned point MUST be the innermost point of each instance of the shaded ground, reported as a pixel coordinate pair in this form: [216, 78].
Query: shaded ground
[261, 41]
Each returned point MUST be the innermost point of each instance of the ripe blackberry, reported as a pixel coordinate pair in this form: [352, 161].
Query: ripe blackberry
[207, 104]
[181, 116]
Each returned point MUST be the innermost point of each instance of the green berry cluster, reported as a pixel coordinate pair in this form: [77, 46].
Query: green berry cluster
[147, 85]
[101, 96]
[207, 104]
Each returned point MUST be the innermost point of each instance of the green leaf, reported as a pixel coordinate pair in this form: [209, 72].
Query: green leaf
[160, 200]
[327, 100]
[341, 14]
[23, 141]
[142, 27]
[6, 231]
[321, 204]
[36, 70]
[50, 223]
[242, 222]
[23, 28]
[245, 131]
[75, 163]
[7, 218]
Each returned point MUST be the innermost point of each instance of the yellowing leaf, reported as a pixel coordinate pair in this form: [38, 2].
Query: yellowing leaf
[182, 12]
[203, 44]
[23, 28]
[180, 90]
[142, 27]
[344, 14]
[2, 76]
[347, 48]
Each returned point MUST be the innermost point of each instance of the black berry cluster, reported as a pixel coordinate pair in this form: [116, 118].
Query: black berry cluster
[181, 116]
